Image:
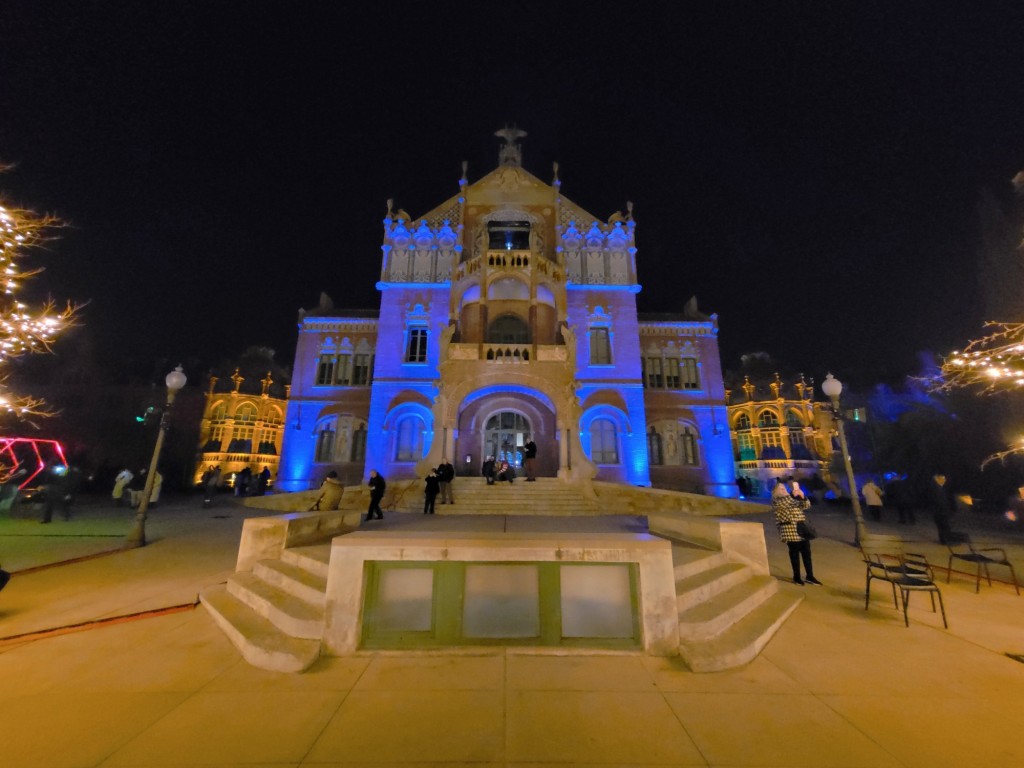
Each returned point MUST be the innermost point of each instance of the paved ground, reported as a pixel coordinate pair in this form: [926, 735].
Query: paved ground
[838, 686]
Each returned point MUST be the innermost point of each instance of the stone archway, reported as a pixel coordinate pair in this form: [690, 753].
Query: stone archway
[500, 425]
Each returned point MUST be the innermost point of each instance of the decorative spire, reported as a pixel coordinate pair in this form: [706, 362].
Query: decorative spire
[776, 386]
[555, 182]
[801, 386]
[213, 383]
[266, 383]
[510, 154]
[748, 388]
[629, 210]
[238, 379]
[464, 180]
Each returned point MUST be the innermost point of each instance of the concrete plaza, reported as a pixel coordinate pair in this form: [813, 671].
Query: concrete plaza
[837, 686]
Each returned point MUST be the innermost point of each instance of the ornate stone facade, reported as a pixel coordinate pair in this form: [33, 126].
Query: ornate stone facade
[509, 312]
[778, 432]
[241, 429]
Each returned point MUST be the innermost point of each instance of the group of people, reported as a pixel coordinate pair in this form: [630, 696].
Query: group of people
[132, 486]
[494, 470]
[439, 483]
[789, 501]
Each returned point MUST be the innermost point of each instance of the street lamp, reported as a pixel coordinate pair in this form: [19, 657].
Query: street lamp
[175, 380]
[833, 387]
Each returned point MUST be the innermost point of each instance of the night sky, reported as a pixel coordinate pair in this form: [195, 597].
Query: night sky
[809, 170]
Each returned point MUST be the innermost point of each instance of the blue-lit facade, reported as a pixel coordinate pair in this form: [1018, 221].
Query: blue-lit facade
[509, 312]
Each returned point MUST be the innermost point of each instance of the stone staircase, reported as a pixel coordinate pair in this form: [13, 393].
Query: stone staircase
[727, 613]
[275, 614]
[545, 496]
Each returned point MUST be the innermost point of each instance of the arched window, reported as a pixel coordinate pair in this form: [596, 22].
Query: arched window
[743, 421]
[409, 439]
[689, 456]
[359, 444]
[793, 420]
[325, 442]
[604, 444]
[508, 329]
[218, 416]
[767, 419]
[655, 455]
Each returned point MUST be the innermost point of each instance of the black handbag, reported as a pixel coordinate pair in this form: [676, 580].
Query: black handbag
[805, 531]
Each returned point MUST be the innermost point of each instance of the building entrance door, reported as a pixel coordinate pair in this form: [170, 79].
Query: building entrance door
[504, 437]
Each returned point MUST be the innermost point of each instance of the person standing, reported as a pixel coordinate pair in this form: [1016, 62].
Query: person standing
[445, 476]
[210, 486]
[789, 510]
[56, 493]
[942, 507]
[377, 486]
[531, 456]
[263, 481]
[124, 477]
[431, 491]
[136, 488]
[873, 498]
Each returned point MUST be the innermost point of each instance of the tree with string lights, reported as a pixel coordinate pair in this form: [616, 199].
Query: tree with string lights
[24, 329]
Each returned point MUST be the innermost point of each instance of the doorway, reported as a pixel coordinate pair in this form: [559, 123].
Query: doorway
[505, 434]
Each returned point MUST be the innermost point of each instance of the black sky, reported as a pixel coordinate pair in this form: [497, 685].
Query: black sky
[808, 170]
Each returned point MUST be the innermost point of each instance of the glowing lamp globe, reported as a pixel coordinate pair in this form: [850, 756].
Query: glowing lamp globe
[832, 387]
[175, 380]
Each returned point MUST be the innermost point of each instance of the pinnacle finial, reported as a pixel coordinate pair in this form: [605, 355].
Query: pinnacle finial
[511, 153]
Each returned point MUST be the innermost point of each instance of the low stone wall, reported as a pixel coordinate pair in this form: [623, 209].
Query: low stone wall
[267, 537]
[349, 555]
[740, 541]
[631, 500]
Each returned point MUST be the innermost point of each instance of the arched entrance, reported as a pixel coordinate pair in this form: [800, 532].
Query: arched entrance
[505, 434]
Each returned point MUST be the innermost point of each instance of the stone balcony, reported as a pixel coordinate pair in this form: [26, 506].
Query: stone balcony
[509, 354]
[508, 261]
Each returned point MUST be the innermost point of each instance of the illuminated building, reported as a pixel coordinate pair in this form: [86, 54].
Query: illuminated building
[509, 311]
[241, 429]
[778, 433]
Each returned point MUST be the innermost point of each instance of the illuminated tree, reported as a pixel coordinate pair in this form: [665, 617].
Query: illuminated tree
[24, 329]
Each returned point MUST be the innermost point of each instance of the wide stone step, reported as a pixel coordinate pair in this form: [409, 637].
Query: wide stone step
[706, 585]
[713, 617]
[742, 642]
[306, 586]
[691, 559]
[261, 643]
[315, 558]
[285, 611]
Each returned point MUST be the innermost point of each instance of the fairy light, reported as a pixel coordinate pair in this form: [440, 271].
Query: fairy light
[23, 329]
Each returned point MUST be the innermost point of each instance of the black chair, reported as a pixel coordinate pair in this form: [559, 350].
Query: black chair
[907, 572]
[961, 548]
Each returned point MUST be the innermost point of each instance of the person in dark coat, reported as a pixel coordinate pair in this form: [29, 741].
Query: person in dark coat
[530, 457]
[900, 494]
[377, 486]
[445, 475]
[942, 506]
[430, 492]
[262, 481]
[488, 470]
[57, 493]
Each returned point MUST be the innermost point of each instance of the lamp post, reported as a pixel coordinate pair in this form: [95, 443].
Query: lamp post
[175, 380]
[833, 387]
